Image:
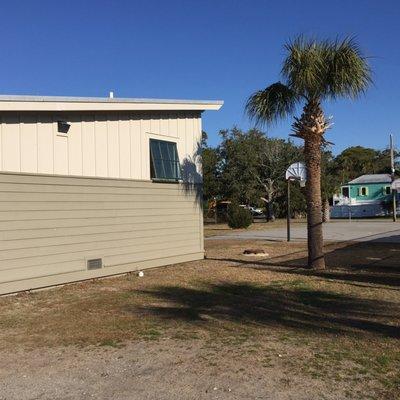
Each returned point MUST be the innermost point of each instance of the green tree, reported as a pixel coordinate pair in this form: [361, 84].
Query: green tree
[211, 170]
[297, 200]
[239, 164]
[274, 158]
[383, 161]
[355, 161]
[253, 166]
[313, 71]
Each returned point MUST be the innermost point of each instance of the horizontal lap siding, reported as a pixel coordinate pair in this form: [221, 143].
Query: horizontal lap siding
[50, 226]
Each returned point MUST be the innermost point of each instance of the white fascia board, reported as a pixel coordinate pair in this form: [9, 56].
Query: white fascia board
[37, 103]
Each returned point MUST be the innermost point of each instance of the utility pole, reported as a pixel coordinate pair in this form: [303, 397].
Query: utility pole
[394, 191]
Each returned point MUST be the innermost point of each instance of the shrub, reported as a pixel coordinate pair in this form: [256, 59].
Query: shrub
[239, 217]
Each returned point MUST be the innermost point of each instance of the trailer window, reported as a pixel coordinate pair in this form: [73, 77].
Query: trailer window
[388, 190]
[164, 161]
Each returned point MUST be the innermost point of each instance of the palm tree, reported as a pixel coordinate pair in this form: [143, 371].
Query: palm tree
[313, 71]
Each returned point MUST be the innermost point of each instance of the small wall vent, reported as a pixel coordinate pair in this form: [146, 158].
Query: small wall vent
[63, 127]
[94, 263]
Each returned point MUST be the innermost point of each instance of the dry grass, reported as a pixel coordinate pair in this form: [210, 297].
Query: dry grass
[341, 325]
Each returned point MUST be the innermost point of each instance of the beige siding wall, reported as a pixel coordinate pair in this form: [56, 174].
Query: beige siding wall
[50, 225]
[110, 145]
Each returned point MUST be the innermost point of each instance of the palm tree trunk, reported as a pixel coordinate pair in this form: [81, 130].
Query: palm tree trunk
[312, 154]
[326, 212]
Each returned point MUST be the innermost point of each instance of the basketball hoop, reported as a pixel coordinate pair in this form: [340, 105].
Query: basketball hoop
[297, 172]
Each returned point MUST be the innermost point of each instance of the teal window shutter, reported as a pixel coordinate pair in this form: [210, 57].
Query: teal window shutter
[164, 161]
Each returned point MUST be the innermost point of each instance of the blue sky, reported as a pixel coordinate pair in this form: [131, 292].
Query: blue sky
[198, 49]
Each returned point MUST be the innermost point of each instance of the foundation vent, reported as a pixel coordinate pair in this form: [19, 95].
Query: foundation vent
[94, 263]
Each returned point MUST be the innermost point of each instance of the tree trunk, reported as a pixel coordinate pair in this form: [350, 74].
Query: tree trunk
[270, 212]
[326, 212]
[311, 127]
[312, 154]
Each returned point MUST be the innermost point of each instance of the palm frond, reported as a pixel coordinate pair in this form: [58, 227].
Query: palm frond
[304, 67]
[322, 68]
[348, 72]
[271, 104]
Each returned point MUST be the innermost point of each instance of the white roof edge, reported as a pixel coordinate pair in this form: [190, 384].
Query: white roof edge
[60, 103]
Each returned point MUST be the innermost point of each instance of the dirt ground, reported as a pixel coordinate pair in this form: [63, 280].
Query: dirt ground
[228, 327]
[166, 369]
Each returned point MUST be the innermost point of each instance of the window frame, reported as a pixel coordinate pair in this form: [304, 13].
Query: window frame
[348, 191]
[365, 188]
[385, 190]
[174, 162]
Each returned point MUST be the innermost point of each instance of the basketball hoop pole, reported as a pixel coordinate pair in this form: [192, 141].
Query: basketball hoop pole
[295, 172]
[288, 211]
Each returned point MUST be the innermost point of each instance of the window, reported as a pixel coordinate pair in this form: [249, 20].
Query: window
[164, 161]
[388, 190]
[345, 191]
[363, 191]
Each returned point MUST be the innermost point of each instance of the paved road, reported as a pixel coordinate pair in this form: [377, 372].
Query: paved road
[359, 231]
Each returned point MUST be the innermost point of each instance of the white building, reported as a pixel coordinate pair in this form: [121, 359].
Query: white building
[91, 187]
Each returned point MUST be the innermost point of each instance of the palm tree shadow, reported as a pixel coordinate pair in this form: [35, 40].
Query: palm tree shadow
[297, 307]
[366, 263]
[191, 175]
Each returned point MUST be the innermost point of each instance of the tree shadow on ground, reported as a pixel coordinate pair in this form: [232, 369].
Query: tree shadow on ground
[293, 305]
[365, 263]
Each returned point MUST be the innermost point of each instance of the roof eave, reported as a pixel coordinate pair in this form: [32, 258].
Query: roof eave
[37, 103]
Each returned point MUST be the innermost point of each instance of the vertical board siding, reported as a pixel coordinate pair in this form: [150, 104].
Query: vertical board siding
[101, 146]
[60, 155]
[46, 139]
[124, 148]
[144, 140]
[135, 147]
[88, 146]
[164, 127]
[51, 225]
[11, 143]
[75, 147]
[29, 144]
[113, 147]
[109, 145]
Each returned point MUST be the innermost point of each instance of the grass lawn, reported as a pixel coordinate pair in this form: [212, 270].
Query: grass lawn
[262, 323]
